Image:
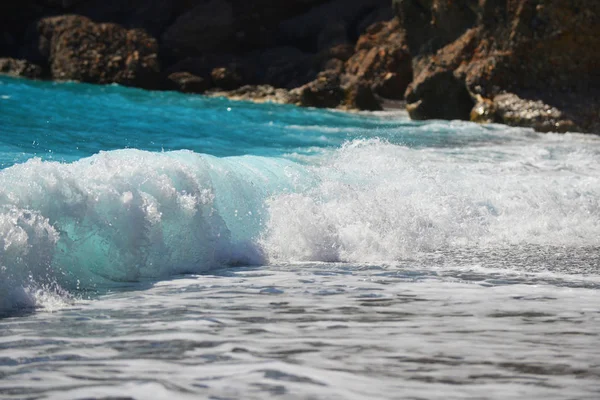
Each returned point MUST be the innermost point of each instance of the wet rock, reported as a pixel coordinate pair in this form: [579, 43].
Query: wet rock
[510, 109]
[324, 92]
[20, 68]
[75, 48]
[360, 96]
[227, 78]
[187, 83]
[257, 94]
[438, 94]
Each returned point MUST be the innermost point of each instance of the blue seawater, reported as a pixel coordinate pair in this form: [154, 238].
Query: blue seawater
[161, 245]
[103, 184]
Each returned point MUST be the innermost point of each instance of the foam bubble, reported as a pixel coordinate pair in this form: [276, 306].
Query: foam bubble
[383, 202]
[129, 215]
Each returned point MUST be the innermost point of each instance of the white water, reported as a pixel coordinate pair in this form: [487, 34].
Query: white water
[130, 215]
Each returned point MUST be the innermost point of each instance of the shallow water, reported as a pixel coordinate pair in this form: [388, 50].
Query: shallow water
[156, 245]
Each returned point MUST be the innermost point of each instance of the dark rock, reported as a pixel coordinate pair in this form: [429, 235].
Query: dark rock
[227, 78]
[510, 109]
[332, 35]
[432, 24]
[257, 94]
[324, 92]
[151, 15]
[438, 94]
[341, 52]
[78, 49]
[285, 67]
[205, 28]
[304, 30]
[20, 68]
[537, 50]
[65, 4]
[187, 83]
[15, 17]
[360, 96]
[384, 14]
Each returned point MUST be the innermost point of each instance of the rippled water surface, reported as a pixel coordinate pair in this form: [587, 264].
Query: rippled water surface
[156, 245]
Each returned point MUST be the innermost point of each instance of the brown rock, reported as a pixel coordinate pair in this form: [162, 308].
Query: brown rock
[20, 68]
[187, 83]
[360, 96]
[79, 49]
[510, 109]
[537, 50]
[324, 92]
[227, 78]
[382, 60]
[257, 94]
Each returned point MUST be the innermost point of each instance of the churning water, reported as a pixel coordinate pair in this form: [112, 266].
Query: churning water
[157, 245]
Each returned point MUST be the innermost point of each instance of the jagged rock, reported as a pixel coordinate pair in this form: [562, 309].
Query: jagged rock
[257, 94]
[20, 68]
[187, 83]
[324, 92]
[489, 47]
[510, 109]
[382, 60]
[78, 49]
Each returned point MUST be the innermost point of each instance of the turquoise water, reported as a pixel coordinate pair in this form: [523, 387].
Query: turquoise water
[270, 250]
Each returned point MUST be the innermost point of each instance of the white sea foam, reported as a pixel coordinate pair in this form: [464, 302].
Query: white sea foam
[382, 202]
[130, 215]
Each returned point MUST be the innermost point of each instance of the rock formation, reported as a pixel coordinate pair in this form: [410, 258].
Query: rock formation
[521, 62]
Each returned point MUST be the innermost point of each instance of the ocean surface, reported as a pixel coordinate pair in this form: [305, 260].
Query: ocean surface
[155, 245]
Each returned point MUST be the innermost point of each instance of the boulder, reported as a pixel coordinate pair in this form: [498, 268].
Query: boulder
[20, 68]
[333, 90]
[324, 92]
[227, 78]
[257, 94]
[360, 96]
[537, 52]
[187, 83]
[426, 94]
[75, 48]
[510, 109]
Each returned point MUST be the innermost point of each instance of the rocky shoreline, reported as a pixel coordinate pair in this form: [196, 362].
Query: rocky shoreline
[525, 63]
